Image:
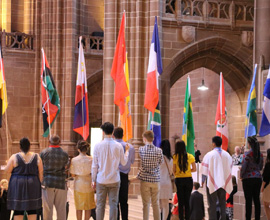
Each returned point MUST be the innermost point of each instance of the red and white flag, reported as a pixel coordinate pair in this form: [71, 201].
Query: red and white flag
[221, 116]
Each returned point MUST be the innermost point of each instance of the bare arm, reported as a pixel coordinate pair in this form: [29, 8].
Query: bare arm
[263, 184]
[193, 167]
[10, 166]
[174, 169]
[40, 169]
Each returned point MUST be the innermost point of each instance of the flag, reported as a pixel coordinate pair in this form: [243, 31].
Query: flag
[125, 118]
[49, 96]
[151, 99]
[221, 120]
[3, 89]
[251, 115]
[188, 134]
[154, 124]
[117, 72]
[265, 124]
[81, 118]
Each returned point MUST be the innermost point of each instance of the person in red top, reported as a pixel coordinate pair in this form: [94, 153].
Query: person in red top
[175, 214]
[229, 200]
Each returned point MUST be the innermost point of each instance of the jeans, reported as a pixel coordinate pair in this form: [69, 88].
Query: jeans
[184, 188]
[123, 197]
[150, 191]
[56, 197]
[220, 194]
[112, 190]
[252, 189]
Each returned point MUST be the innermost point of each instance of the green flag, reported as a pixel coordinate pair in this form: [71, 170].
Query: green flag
[188, 134]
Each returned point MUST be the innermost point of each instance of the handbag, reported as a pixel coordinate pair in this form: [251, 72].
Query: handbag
[171, 176]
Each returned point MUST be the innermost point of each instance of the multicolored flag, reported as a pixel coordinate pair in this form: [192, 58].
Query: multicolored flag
[3, 89]
[251, 115]
[154, 124]
[125, 118]
[151, 99]
[188, 134]
[49, 97]
[221, 120]
[117, 72]
[265, 124]
[81, 117]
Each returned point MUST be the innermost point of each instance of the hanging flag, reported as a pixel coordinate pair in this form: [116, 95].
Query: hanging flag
[151, 99]
[251, 115]
[117, 73]
[221, 120]
[81, 118]
[188, 134]
[3, 89]
[265, 124]
[154, 124]
[49, 96]
[125, 118]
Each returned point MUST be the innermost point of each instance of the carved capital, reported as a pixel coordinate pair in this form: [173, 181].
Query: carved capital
[247, 38]
[188, 33]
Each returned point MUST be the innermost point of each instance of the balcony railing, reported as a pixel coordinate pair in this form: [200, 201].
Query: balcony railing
[92, 44]
[225, 12]
[17, 41]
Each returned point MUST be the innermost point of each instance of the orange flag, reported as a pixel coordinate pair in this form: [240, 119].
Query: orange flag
[117, 72]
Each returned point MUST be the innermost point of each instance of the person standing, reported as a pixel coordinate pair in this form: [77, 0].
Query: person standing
[118, 134]
[197, 153]
[80, 169]
[166, 170]
[237, 156]
[266, 186]
[251, 177]
[149, 175]
[196, 203]
[108, 154]
[216, 170]
[24, 190]
[54, 191]
[183, 165]
[229, 200]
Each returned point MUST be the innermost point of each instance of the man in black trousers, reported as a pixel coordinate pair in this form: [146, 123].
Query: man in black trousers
[118, 134]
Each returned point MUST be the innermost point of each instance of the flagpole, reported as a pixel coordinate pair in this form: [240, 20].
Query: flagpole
[220, 93]
[247, 130]
[49, 122]
[8, 155]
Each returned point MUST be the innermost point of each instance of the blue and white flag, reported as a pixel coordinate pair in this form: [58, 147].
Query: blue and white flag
[265, 124]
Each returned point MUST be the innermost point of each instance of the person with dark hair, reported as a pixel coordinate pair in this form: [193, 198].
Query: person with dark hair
[80, 169]
[108, 154]
[197, 153]
[149, 175]
[118, 134]
[216, 172]
[166, 170]
[266, 186]
[196, 203]
[229, 200]
[183, 166]
[54, 192]
[251, 177]
[24, 190]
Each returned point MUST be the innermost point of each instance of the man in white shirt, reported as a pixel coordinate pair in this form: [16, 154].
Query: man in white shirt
[108, 154]
[216, 169]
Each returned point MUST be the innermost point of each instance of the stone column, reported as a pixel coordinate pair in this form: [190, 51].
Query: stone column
[262, 35]
[6, 15]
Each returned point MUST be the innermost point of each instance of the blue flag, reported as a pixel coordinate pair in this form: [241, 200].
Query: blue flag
[154, 124]
[265, 124]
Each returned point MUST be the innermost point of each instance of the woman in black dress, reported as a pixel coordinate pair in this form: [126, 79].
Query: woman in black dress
[4, 213]
[24, 192]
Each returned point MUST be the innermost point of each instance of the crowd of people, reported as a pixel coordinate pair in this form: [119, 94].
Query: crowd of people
[37, 182]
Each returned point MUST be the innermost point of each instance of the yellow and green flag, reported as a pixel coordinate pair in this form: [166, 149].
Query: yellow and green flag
[188, 134]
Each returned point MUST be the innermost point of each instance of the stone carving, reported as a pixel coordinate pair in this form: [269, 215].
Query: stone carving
[188, 33]
[247, 38]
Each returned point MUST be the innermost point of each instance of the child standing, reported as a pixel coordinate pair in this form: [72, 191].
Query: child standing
[229, 202]
[196, 203]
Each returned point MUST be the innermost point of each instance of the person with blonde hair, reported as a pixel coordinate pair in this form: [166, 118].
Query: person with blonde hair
[80, 169]
[4, 212]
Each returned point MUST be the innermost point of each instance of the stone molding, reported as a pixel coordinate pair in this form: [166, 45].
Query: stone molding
[188, 33]
[247, 38]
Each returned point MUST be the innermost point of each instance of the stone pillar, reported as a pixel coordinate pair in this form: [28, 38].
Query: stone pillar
[6, 15]
[28, 17]
[262, 35]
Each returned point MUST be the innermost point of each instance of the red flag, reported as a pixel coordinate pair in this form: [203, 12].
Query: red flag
[117, 72]
[221, 120]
